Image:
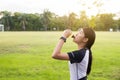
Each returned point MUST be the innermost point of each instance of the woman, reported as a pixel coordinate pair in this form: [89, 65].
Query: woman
[80, 60]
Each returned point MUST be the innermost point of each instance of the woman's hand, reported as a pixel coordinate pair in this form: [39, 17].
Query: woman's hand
[67, 33]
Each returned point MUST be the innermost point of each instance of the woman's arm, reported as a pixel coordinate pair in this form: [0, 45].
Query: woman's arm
[57, 51]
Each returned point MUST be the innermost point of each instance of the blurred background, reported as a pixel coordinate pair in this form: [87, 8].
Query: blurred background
[55, 15]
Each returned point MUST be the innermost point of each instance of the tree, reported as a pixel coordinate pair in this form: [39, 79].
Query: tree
[6, 20]
[45, 19]
[71, 20]
[63, 23]
[107, 20]
[59, 23]
[92, 22]
[17, 21]
[23, 21]
[104, 22]
[99, 24]
[116, 25]
[83, 19]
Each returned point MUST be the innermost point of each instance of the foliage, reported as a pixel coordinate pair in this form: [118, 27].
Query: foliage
[50, 21]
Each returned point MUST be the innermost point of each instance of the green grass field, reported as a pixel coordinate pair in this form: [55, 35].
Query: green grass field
[27, 56]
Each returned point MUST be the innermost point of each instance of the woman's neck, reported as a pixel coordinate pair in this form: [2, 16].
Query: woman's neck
[81, 46]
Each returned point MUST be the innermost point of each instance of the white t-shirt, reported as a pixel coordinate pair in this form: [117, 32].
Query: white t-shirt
[78, 63]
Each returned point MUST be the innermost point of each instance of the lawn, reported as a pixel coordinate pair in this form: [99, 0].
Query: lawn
[27, 56]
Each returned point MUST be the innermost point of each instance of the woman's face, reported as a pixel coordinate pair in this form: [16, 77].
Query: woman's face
[79, 37]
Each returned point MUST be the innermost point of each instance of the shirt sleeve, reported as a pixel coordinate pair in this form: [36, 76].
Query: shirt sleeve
[76, 56]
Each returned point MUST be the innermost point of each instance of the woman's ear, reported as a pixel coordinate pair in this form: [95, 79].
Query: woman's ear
[85, 40]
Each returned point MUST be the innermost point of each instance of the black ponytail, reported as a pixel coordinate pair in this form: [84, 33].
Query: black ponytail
[89, 62]
[90, 34]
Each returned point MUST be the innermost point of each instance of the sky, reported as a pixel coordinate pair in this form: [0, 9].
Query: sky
[60, 7]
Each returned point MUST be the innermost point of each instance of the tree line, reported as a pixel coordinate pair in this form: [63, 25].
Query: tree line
[48, 21]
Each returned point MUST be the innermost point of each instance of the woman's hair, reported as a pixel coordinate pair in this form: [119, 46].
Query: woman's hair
[90, 34]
